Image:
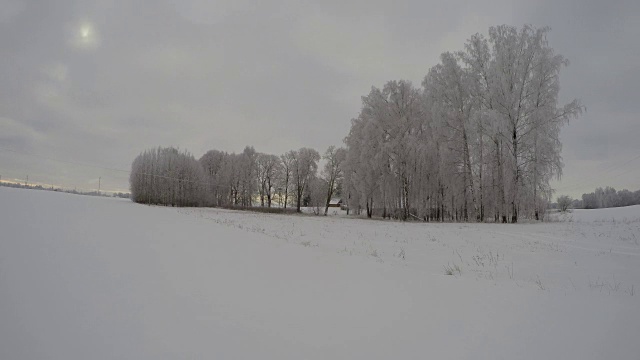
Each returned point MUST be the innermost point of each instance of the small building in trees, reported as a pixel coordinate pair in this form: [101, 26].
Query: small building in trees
[335, 203]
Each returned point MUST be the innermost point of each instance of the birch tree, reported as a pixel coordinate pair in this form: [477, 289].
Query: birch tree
[482, 143]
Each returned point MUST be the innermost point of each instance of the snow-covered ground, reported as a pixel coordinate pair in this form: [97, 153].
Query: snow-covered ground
[620, 214]
[98, 278]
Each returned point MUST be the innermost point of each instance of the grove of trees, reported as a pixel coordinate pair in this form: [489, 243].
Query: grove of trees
[478, 141]
[167, 176]
[607, 198]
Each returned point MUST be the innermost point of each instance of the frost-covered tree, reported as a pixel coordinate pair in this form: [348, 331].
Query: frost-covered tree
[167, 176]
[449, 87]
[247, 170]
[268, 167]
[381, 158]
[305, 167]
[564, 202]
[332, 173]
[479, 141]
[524, 93]
[287, 161]
[316, 194]
[214, 164]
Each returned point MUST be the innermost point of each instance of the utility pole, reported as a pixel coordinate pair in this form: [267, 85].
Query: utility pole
[26, 181]
[99, 180]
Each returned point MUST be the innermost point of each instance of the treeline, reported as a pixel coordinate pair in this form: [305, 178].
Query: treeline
[478, 141]
[68, 191]
[607, 198]
[167, 176]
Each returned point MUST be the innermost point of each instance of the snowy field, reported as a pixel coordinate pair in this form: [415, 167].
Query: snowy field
[98, 278]
[621, 214]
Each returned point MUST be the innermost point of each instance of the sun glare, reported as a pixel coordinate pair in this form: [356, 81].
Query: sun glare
[85, 36]
[85, 31]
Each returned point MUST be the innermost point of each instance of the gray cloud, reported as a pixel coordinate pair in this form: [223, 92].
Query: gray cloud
[97, 82]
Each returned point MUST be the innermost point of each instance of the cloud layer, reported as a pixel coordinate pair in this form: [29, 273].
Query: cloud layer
[98, 82]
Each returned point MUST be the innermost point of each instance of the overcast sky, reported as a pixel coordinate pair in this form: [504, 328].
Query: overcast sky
[97, 82]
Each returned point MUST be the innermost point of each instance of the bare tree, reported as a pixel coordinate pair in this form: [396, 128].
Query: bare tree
[332, 173]
[267, 170]
[564, 202]
[305, 166]
[287, 161]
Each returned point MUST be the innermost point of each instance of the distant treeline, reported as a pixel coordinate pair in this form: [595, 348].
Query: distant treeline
[607, 198]
[51, 188]
[168, 176]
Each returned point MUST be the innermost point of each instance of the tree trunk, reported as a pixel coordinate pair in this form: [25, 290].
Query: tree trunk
[329, 195]
[516, 177]
[467, 170]
[286, 192]
[299, 200]
[501, 184]
[481, 189]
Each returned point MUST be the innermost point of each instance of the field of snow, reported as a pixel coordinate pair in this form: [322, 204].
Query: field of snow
[99, 278]
[620, 214]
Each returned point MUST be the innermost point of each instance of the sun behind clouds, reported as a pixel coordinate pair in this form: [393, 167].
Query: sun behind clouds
[85, 36]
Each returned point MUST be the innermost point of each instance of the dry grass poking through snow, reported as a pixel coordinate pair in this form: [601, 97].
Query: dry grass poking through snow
[557, 256]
